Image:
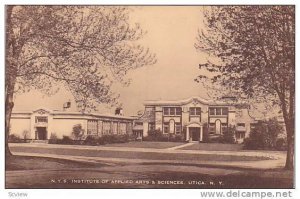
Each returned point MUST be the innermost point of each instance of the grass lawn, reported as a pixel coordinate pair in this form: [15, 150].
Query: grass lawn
[137, 154]
[15, 163]
[214, 147]
[38, 172]
[145, 144]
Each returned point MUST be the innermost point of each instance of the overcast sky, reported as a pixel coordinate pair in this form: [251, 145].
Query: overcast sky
[171, 35]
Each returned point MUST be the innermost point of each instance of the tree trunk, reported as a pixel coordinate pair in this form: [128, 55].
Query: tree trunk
[289, 164]
[9, 104]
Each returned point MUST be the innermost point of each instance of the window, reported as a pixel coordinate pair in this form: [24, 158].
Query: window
[172, 110]
[195, 111]
[41, 119]
[225, 111]
[212, 128]
[99, 127]
[177, 128]
[178, 111]
[218, 111]
[166, 127]
[241, 124]
[115, 127]
[129, 128]
[240, 135]
[212, 111]
[92, 127]
[106, 128]
[224, 127]
[252, 126]
[122, 129]
[151, 126]
[166, 111]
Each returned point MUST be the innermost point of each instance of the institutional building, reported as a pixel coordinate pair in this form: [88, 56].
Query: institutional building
[189, 116]
[41, 123]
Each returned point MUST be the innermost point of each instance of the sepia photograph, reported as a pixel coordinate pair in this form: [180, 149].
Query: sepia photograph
[149, 96]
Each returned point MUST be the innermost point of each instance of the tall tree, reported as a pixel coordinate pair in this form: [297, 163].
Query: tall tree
[83, 48]
[252, 50]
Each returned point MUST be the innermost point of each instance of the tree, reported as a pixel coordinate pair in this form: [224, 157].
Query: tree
[252, 51]
[229, 135]
[264, 135]
[82, 48]
[77, 132]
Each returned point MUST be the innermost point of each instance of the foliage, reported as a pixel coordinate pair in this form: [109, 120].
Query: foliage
[77, 132]
[15, 139]
[281, 144]
[158, 135]
[264, 135]
[81, 48]
[251, 52]
[229, 135]
[66, 140]
[53, 139]
[25, 134]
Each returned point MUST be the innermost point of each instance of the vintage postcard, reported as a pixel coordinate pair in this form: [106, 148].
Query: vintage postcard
[198, 97]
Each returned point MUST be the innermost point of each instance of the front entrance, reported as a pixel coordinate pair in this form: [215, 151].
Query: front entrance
[41, 133]
[194, 133]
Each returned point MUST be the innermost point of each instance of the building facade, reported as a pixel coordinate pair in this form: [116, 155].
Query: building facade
[41, 123]
[190, 115]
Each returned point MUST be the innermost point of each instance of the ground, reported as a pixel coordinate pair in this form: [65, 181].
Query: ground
[130, 166]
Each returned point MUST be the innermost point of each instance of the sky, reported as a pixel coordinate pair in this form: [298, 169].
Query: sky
[171, 34]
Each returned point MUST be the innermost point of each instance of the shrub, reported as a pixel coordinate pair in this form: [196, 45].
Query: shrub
[14, 139]
[281, 144]
[264, 135]
[176, 138]
[66, 140]
[77, 132]
[228, 136]
[91, 140]
[25, 135]
[54, 139]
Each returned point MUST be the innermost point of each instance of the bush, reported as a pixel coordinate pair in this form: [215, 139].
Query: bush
[228, 136]
[15, 139]
[91, 140]
[264, 136]
[26, 135]
[77, 132]
[158, 136]
[53, 139]
[66, 140]
[281, 144]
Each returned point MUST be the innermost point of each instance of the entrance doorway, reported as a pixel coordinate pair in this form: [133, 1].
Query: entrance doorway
[194, 133]
[41, 133]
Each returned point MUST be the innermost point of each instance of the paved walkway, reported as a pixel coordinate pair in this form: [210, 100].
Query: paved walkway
[181, 146]
[277, 159]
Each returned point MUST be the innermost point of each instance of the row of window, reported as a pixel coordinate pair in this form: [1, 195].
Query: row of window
[195, 111]
[98, 127]
[218, 111]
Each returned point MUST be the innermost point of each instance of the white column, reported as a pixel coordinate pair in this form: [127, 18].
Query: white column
[201, 133]
[187, 134]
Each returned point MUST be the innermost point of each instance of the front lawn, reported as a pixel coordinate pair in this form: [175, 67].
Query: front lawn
[137, 154]
[16, 162]
[146, 144]
[214, 147]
